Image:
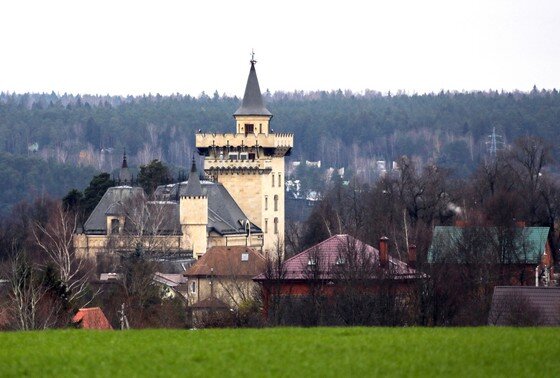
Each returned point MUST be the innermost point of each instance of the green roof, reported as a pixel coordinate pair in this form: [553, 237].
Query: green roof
[524, 245]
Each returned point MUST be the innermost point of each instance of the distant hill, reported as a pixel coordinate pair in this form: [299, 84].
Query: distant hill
[339, 128]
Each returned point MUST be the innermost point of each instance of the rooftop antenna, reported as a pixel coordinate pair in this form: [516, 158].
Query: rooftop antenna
[253, 61]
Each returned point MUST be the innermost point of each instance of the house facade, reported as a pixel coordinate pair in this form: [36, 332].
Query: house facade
[330, 266]
[224, 274]
[521, 254]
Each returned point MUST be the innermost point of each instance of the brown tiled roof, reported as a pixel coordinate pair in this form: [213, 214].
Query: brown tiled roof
[228, 262]
[328, 254]
[91, 318]
[525, 305]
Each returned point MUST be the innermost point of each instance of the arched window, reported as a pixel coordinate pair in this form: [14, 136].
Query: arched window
[276, 202]
[266, 202]
[272, 175]
[279, 179]
[275, 225]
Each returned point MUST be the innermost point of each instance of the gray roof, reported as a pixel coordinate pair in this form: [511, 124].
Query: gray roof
[525, 306]
[252, 99]
[110, 204]
[224, 215]
[193, 188]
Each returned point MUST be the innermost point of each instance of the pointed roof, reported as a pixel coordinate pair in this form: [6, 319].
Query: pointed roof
[193, 189]
[252, 99]
[124, 173]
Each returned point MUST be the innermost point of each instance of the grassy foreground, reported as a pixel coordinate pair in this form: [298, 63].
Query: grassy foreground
[287, 352]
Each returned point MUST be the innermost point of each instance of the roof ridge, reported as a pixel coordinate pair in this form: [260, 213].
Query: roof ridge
[314, 246]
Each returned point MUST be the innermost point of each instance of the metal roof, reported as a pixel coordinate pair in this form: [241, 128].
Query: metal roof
[224, 215]
[525, 305]
[252, 99]
[331, 257]
[193, 188]
[530, 242]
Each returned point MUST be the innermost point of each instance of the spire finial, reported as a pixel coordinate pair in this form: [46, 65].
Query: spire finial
[124, 162]
[253, 61]
[193, 164]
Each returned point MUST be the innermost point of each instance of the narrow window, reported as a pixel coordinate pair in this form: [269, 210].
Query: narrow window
[115, 225]
[266, 225]
[276, 203]
[193, 287]
[279, 179]
[275, 225]
[273, 180]
[266, 202]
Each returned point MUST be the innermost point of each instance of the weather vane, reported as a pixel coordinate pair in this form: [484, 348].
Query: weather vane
[253, 56]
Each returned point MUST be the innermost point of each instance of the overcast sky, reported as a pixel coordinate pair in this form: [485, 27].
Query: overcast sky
[133, 47]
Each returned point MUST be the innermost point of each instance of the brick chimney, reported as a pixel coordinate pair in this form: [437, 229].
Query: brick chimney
[412, 256]
[384, 251]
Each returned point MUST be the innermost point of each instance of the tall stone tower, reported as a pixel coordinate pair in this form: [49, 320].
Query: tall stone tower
[250, 163]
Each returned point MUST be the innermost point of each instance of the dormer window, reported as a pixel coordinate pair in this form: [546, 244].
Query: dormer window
[340, 261]
[311, 262]
[244, 257]
[115, 226]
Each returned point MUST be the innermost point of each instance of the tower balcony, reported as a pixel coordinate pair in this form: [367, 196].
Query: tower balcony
[284, 141]
[213, 165]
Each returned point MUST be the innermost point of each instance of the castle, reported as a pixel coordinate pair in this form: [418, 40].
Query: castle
[241, 203]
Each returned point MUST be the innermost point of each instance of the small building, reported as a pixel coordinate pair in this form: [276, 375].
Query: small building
[329, 265]
[525, 306]
[518, 250]
[224, 273]
[91, 318]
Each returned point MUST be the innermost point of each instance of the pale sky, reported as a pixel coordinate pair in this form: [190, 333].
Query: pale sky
[133, 47]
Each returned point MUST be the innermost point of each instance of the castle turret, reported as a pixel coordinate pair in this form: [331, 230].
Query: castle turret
[125, 178]
[250, 162]
[193, 214]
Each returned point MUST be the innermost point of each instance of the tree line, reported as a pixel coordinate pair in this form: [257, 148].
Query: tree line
[340, 128]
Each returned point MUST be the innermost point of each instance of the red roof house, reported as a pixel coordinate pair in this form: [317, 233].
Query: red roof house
[334, 262]
[91, 318]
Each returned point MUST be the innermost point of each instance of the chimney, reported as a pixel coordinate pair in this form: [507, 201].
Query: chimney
[412, 256]
[384, 251]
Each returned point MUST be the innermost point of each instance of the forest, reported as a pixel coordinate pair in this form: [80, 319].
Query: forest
[51, 143]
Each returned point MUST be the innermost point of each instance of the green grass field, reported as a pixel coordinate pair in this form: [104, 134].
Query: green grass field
[287, 352]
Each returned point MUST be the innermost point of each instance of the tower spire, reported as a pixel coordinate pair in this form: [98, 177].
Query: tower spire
[125, 176]
[124, 162]
[252, 104]
[193, 187]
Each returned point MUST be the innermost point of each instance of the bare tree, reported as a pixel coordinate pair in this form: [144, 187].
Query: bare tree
[56, 240]
[27, 293]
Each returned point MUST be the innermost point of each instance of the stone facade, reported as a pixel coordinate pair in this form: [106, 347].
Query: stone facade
[250, 164]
